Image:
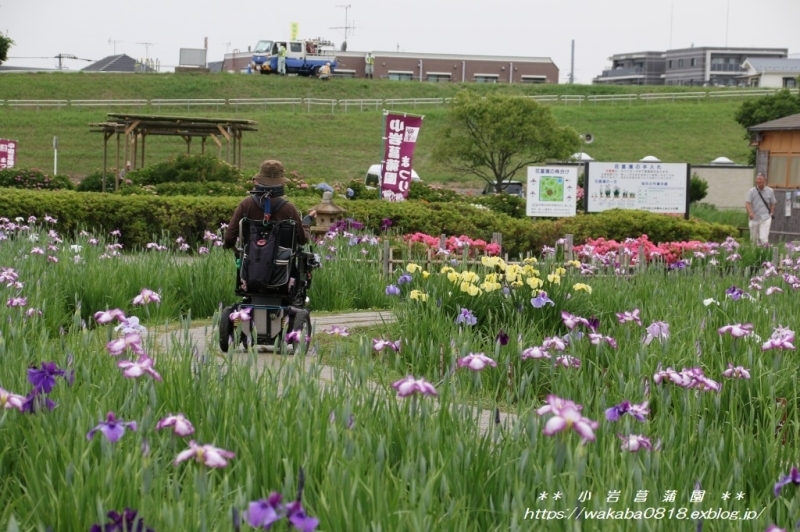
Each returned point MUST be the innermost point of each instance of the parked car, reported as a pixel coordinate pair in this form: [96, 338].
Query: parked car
[373, 177]
[515, 188]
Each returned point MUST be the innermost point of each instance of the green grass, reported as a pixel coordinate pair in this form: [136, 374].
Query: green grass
[325, 146]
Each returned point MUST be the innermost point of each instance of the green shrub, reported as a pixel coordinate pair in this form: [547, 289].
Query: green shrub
[511, 205]
[33, 179]
[208, 188]
[421, 191]
[698, 189]
[187, 169]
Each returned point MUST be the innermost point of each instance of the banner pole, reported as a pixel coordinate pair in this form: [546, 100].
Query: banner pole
[383, 153]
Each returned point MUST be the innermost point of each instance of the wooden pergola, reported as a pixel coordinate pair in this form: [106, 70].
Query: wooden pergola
[138, 127]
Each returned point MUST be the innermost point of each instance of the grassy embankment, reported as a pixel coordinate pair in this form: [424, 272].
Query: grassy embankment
[339, 146]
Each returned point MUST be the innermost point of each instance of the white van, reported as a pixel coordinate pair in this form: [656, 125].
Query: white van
[373, 176]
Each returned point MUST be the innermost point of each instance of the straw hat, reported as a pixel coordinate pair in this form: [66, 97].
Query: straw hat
[271, 173]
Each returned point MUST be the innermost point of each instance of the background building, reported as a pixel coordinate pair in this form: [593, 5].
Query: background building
[771, 73]
[641, 68]
[405, 66]
[703, 66]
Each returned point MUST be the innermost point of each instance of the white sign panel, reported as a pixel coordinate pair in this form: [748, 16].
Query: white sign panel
[552, 191]
[655, 187]
[193, 57]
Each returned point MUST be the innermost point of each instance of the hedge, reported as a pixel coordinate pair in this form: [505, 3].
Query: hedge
[143, 219]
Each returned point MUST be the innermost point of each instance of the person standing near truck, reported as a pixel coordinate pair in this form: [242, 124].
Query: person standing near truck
[281, 60]
[369, 68]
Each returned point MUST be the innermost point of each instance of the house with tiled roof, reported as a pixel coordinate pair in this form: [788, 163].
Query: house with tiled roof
[772, 73]
[118, 63]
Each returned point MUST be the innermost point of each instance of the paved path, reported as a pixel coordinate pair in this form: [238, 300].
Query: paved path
[205, 340]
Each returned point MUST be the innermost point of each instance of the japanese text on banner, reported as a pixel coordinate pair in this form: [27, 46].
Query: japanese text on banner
[400, 139]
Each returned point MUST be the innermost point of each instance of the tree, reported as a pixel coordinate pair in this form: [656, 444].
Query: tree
[764, 109]
[5, 45]
[496, 136]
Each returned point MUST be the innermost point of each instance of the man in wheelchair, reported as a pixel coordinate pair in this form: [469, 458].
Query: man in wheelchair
[273, 273]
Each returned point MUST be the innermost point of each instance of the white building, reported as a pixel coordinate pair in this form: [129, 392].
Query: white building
[771, 73]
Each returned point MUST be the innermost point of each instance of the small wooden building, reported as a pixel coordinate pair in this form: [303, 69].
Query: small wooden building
[778, 158]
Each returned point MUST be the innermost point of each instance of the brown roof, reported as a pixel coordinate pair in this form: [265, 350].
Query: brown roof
[787, 122]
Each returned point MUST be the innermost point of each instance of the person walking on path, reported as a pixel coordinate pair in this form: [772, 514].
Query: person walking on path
[760, 206]
[282, 60]
[369, 68]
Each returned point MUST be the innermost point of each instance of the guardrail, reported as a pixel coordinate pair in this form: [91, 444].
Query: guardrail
[360, 104]
[108, 103]
[266, 102]
[188, 103]
[376, 104]
[320, 101]
[37, 103]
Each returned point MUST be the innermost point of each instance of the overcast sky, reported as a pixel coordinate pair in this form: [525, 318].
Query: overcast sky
[532, 28]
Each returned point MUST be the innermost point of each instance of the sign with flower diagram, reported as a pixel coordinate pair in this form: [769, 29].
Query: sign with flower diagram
[648, 186]
[552, 191]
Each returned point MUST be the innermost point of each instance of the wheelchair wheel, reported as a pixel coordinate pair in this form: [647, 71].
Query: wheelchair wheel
[225, 331]
[301, 321]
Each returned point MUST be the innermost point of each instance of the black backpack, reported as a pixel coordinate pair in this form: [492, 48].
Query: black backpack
[267, 253]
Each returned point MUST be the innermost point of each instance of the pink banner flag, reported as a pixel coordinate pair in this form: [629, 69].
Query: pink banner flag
[8, 153]
[401, 137]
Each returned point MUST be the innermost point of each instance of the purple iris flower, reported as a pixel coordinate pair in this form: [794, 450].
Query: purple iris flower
[266, 512]
[466, 317]
[122, 522]
[792, 478]
[502, 337]
[35, 401]
[112, 428]
[405, 278]
[541, 300]
[386, 224]
[44, 378]
[637, 411]
[734, 292]
[392, 290]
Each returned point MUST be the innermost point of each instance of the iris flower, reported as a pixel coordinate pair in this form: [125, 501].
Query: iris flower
[535, 352]
[541, 300]
[410, 385]
[122, 522]
[379, 344]
[466, 317]
[734, 292]
[146, 296]
[597, 339]
[264, 513]
[566, 415]
[476, 362]
[634, 442]
[792, 478]
[567, 361]
[392, 290]
[688, 378]
[338, 331]
[639, 412]
[130, 341]
[36, 400]
[180, 425]
[572, 321]
[104, 317]
[208, 455]
[559, 344]
[737, 372]
[10, 400]
[112, 428]
[44, 378]
[134, 370]
[658, 330]
[405, 278]
[130, 325]
[501, 337]
[737, 331]
[17, 302]
[781, 338]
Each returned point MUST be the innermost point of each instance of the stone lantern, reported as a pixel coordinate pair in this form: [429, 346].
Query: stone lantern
[328, 214]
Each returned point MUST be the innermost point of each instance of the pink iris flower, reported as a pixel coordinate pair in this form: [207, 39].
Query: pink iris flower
[410, 385]
[180, 425]
[736, 372]
[535, 352]
[476, 362]
[207, 455]
[737, 331]
[130, 341]
[338, 331]
[10, 400]
[104, 317]
[572, 321]
[567, 415]
[379, 344]
[568, 361]
[146, 296]
[134, 370]
[658, 330]
[634, 442]
[628, 316]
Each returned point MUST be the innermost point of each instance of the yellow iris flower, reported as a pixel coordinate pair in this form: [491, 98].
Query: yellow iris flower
[554, 278]
[411, 268]
[580, 286]
[418, 295]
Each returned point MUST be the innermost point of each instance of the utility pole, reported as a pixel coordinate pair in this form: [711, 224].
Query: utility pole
[60, 57]
[147, 46]
[114, 43]
[348, 29]
[572, 64]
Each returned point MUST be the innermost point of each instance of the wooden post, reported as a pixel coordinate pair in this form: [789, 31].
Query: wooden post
[386, 252]
[135, 149]
[143, 139]
[442, 241]
[116, 172]
[568, 247]
[203, 145]
[775, 258]
[641, 258]
[240, 151]
[105, 158]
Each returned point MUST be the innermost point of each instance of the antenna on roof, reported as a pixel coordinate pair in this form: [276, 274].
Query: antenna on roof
[114, 43]
[348, 29]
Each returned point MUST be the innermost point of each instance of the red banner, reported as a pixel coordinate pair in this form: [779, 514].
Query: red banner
[8, 153]
[399, 141]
